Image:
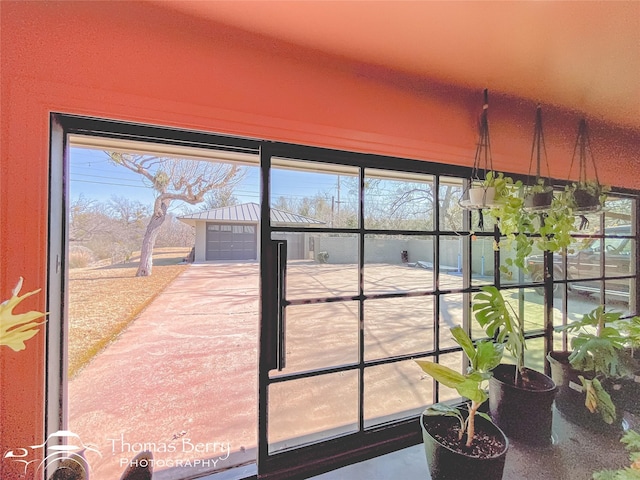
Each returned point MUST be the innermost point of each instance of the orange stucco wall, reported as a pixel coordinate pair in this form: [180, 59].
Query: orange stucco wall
[137, 62]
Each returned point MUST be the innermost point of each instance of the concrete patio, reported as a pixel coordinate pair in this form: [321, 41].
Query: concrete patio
[182, 379]
[183, 376]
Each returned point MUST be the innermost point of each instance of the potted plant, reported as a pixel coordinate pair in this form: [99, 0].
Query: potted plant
[539, 196]
[588, 195]
[556, 225]
[625, 390]
[515, 225]
[490, 190]
[515, 389]
[591, 370]
[523, 229]
[457, 444]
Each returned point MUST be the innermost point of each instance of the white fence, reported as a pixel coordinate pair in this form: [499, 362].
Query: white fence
[389, 250]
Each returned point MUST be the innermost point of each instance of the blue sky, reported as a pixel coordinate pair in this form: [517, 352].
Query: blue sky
[95, 177]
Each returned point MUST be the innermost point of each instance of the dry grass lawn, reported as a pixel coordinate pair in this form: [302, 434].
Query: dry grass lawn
[103, 301]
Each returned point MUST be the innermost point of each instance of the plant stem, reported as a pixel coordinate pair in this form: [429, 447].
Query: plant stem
[471, 425]
[600, 325]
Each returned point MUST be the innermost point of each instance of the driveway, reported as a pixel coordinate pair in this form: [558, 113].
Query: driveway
[180, 381]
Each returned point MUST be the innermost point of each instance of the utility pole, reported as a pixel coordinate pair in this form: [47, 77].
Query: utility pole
[333, 206]
[339, 196]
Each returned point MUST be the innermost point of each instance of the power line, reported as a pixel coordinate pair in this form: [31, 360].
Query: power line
[110, 183]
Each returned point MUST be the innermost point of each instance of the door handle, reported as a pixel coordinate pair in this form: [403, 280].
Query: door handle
[281, 289]
[275, 291]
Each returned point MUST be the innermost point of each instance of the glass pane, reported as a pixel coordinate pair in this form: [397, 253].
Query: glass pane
[451, 213]
[457, 362]
[583, 259]
[398, 200]
[578, 306]
[618, 211]
[398, 326]
[412, 392]
[397, 263]
[617, 296]
[321, 335]
[586, 293]
[320, 265]
[334, 398]
[619, 258]
[486, 225]
[534, 354]
[558, 321]
[451, 315]
[618, 290]
[510, 273]
[169, 360]
[481, 260]
[452, 262]
[587, 223]
[477, 332]
[317, 193]
[532, 309]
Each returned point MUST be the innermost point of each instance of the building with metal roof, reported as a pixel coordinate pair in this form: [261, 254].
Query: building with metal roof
[231, 233]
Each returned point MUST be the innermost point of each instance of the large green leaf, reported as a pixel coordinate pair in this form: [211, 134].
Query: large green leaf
[467, 386]
[493, 314]
[631, 439]
[471, 389]
[442, 409]
[488, 356]
[461, 337]
[442, 373]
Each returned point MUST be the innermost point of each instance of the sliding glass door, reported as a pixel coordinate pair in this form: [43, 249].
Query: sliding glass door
[357, 281]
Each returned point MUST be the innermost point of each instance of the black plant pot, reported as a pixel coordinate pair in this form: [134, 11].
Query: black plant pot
[625, 393]
[447, 464]
[538, 200]
[585, 200]
[523, 412]
[570, 398]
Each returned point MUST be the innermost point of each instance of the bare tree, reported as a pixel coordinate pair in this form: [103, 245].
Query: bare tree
[173, 179]
[87, 219]
[127, 211]
[175, 233]
[220, 197]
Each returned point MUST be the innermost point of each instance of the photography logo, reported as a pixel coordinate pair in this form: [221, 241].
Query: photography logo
[63, 448]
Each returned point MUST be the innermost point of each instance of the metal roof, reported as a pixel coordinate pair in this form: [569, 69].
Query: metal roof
[246, 213]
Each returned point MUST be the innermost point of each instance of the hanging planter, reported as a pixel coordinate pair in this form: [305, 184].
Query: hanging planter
[485, 184]
[538, 196]
[539, 200]
[482, 196]
[586, 195]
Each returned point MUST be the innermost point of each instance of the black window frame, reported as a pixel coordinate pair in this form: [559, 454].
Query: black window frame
[371, 441]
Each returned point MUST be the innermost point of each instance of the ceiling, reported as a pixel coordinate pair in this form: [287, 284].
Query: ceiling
[584, 56]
